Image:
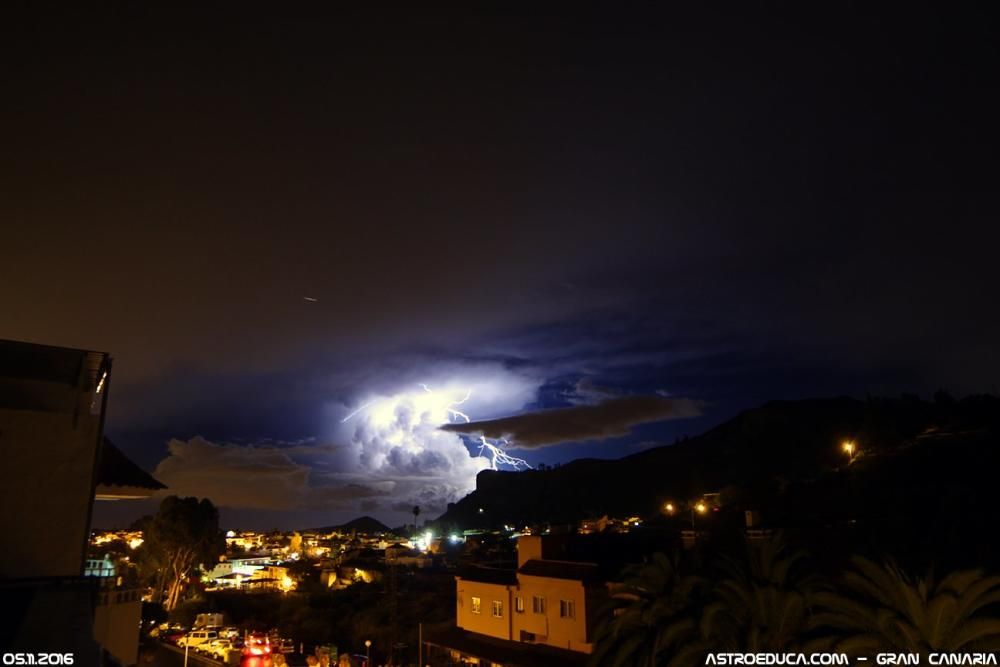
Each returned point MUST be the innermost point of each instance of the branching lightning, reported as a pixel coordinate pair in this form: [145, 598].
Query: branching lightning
[493, 453]
[497, 455]
[451, 406]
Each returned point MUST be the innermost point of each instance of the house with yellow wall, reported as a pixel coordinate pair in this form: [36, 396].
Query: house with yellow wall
[482, 601]
[540, 613]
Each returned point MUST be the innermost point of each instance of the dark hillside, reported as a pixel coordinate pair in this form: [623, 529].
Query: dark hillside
[364, 524]
[925, 471]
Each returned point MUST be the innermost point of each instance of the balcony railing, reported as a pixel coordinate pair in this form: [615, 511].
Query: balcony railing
[119, 596]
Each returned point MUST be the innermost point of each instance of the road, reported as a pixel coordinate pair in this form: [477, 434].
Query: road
[156, 654]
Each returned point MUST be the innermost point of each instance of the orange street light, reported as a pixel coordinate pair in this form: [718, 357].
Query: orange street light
[848, 447]
[698, 508]
[669, 508]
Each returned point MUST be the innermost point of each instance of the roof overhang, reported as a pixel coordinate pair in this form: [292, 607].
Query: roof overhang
[106, 492]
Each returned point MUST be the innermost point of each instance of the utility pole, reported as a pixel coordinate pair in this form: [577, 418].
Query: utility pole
[392, 612]
[420, 644]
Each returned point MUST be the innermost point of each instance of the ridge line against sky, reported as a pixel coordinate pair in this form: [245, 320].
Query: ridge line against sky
[272, 220]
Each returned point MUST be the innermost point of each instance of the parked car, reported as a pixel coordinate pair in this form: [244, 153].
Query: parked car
[220, 648]
[173, 635]
[229, 633]
[197, 638]
[257, 644]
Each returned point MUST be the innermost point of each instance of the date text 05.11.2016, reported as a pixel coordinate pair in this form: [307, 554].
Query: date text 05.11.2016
[37, 659]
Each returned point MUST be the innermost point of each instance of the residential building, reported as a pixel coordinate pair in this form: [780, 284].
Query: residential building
[56, 462]
[539, 614]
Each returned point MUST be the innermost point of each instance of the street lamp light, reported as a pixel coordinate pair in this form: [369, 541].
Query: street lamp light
[700, 507]
[368, 652]
[669, 508]
[850, 448]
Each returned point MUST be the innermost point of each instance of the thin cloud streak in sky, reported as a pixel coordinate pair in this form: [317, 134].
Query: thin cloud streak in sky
[612, 418]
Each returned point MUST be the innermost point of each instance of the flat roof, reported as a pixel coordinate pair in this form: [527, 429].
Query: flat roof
[560, 569]
[488, 575]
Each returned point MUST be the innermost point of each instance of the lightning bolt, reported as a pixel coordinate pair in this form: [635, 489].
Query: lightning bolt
[497, 455]
[361, 409]
[487, 450]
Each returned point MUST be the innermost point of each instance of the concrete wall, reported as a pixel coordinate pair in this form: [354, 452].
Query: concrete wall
[540, 547]
[529, 547]
[116, 625]
[484, 622]
[48, 463]
[550, 628]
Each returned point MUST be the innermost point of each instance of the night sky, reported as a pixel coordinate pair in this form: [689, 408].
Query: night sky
[646, 222]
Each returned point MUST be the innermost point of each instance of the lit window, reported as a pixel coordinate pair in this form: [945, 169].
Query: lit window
[497, 609]
[567, 609]
[519, 604]
[538, 604]
[476, 604]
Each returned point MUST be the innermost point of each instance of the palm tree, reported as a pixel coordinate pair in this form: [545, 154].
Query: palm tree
[762, 604]
[649, 619]
[887, 611]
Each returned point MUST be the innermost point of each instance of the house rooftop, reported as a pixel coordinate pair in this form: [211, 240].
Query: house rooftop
[488, 575]
[560, 569]
[116, 469]
[118, 478]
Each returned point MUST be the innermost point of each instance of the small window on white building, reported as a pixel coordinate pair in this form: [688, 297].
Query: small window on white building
[567, 609]
[519, 604]
[538, 604]
[476, 605]
[497, 609]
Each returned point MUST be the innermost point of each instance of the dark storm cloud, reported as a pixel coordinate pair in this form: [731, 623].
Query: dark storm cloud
[609, 419]
[263, 477]
[766, 182]
[732, 205]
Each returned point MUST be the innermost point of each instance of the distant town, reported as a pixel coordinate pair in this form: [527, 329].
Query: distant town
[501, 573]
[790, 528]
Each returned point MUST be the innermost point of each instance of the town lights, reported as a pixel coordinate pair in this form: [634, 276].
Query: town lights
[669, 508]
[850, 448]
[701, 507]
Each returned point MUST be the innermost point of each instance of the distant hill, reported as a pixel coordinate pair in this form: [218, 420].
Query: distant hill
[364, 524]
[784, 458]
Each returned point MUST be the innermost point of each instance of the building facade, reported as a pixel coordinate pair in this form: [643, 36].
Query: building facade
[540, 613]
[57, 462]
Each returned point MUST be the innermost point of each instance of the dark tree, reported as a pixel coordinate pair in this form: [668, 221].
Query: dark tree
[183, 534]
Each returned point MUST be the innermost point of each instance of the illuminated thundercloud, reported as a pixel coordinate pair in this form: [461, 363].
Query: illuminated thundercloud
[494, 454]
[448, 409]
[452, 412]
